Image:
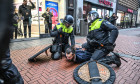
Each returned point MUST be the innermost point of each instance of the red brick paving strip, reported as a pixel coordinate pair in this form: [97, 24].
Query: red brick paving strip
[47, 71]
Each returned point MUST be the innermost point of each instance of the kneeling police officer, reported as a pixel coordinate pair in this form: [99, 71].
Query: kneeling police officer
[62, 32]
[101, 38]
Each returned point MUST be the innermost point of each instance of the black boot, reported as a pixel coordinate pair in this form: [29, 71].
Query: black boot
[106, 60]
[111, 60]
[116, 60]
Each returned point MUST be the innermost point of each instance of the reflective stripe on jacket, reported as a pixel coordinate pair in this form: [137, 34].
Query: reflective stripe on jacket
[96, 24]
[64, 28]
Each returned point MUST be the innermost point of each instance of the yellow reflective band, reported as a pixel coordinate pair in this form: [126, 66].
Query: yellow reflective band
[96, 24]
[64, 28]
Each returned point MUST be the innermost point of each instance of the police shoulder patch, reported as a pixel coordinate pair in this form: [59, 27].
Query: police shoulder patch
[58, 24]
[100, 19]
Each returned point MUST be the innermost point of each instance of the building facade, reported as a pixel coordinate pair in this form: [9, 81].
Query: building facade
[58, 7]
[103, 7]
[138, 16]
[127, 11]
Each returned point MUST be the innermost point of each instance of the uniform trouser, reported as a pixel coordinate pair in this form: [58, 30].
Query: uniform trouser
[25, 23]
[8, 71]
[96, 53]
[59, 50]
[48, 27]
[101, 55]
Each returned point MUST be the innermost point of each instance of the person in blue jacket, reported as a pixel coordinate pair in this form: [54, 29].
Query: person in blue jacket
[79, 55]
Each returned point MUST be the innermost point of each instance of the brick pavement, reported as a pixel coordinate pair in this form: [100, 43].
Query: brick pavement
[47, 71]
[128, 42]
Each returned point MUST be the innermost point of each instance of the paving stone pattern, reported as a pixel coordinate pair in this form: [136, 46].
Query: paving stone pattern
[47, 71]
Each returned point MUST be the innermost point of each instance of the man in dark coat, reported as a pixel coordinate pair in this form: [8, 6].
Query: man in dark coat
[25, 11]
[113, 18]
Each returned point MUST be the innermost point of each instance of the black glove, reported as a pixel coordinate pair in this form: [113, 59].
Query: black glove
[92, 42]
[109, 47]
[60, 31]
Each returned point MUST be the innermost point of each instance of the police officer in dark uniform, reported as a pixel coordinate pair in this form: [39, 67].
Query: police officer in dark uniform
[62, 32]
[8, 71]
[101, 38]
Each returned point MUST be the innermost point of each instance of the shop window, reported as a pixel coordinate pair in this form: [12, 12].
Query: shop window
[99, 12]
[127, 20]
[134, 20]
[103, 16]
[106, 12]
[110, 13]
[34, 30]
[94, 9]
[120, 20]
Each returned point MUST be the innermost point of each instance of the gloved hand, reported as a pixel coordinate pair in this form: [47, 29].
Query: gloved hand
[109, 47]
[92, 42]
[60, 31]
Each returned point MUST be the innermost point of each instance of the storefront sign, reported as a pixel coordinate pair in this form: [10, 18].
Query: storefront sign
[54, 9]
[106, 2]
[129, 10]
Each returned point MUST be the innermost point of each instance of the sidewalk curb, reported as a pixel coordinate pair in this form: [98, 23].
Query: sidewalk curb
[129, 56]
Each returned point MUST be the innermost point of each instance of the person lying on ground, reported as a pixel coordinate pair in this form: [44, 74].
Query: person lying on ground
[79, 55]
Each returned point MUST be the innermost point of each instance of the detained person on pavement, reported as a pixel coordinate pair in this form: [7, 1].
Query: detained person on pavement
[101, 38]
[77, 55]
[62, 32]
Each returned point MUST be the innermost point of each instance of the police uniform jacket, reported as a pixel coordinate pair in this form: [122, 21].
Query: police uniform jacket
[102, 31]
[67, 32]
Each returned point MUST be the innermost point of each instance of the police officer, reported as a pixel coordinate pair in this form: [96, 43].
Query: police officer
[101, 38]
[62, 32]
[8, 71]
